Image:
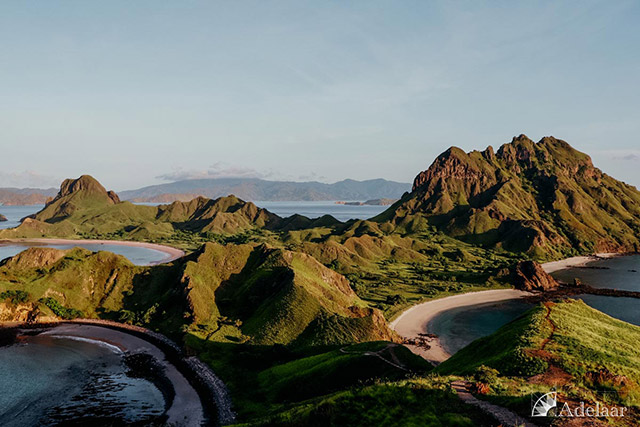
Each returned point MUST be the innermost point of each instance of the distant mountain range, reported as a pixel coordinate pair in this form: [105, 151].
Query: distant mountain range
[263, 190]
[25, 196]
[244, 188]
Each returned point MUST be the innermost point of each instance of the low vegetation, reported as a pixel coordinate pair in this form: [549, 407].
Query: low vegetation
[568, 346]
[292, 312]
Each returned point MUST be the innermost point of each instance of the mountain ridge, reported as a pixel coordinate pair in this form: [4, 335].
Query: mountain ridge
[84, 207]
[544, 198]
[10, 196]
[263, 190]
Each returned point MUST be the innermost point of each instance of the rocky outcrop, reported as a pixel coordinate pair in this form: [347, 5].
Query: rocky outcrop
[530, 276]
[86, 185]
[3, 218]
[34, 258]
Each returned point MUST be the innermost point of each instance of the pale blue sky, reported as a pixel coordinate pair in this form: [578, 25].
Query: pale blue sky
[134, 92]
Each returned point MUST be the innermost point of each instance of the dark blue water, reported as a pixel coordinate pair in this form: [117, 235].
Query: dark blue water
[627, 309]
[458, 327]
[47, 380]
[616, 273]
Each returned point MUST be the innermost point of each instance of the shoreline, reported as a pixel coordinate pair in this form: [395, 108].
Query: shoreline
[415, 320]
[186, 408]
[172, 254]
[578, 261]
[200, 396]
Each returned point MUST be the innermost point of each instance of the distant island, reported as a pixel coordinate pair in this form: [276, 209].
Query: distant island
[251, 189]
[3, 218]
[372, 202]
[25, 196]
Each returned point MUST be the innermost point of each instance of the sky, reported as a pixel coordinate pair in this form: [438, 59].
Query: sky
[145, 92]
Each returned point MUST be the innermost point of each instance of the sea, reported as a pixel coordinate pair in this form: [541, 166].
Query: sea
[47, 381]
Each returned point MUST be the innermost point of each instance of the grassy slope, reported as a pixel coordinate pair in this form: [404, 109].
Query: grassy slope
[268, 379]
[505, 350]
[568, 345]
[232, 293]
[423, 402]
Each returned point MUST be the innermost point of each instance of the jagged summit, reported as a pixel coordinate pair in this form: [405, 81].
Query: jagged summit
[539, 197]
[86, 184]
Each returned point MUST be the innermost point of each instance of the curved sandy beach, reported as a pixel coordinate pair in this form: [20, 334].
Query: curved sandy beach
[414, 321]
[186, 409]
[576, 261]
[171, 253]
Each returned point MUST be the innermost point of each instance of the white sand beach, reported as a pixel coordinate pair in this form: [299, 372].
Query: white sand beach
[415, 320]
[577, 261]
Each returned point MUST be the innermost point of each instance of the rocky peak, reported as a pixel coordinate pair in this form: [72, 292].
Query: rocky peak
[453, 163]
[86, 184]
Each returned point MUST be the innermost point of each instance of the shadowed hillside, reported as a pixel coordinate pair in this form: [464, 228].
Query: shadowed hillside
[233, 293]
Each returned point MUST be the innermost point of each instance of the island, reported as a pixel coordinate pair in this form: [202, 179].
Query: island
[372, 202]
[300, 320]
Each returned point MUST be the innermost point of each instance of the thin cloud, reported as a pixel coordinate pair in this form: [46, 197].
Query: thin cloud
[629, 156]
[28, 179]
[217, 170]
[312, 177]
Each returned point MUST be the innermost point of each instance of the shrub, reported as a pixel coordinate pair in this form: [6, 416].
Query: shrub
[60, 310]
[15, 296]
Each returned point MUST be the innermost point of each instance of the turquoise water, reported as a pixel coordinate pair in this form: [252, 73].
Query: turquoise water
[51, 381]
[459, 327]
[137, 255]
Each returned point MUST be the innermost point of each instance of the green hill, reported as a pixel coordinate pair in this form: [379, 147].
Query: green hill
[233, 293]
[545, 198]
[268, 379]
[403, 403]
[83, 208]
[583, 353]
